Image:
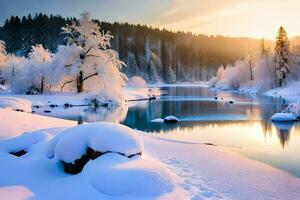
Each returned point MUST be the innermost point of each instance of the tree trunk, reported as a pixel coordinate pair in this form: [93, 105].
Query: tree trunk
[80, 82]
[42, 85]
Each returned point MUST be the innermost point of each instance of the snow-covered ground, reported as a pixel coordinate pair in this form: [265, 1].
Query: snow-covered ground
[291, 92]
[189, 170]
[24, 102]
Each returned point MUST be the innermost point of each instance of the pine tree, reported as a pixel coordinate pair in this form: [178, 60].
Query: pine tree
[281, 58]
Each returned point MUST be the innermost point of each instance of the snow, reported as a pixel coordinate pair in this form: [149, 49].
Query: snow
[15, 123]
[15, 193]
[158, 120]
[119, 175]
[101, 136]
[291, 113]
[13, 101]
[110, 176]
[167, 170]
[18, 104]
[171, 119]
[291, 92]
[283, 117]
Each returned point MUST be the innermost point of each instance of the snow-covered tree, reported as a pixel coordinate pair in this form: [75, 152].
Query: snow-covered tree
[88, 55]
[3, 59]
[249, 61]
[38, 71]
[281, 58]
[14, 74]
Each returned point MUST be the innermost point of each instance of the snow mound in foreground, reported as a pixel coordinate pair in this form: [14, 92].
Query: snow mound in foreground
[117, 175]
[16, 104]
[109, 176]
[283, 117]
[101, 137]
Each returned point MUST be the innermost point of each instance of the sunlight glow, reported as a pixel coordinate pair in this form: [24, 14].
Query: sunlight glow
[251, 18]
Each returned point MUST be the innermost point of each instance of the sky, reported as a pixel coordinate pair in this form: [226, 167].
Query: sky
[249, 18]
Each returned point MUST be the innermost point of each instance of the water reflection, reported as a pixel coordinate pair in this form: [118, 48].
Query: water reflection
[87, 114]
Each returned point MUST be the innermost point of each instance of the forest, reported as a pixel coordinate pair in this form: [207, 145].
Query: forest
[154, 54]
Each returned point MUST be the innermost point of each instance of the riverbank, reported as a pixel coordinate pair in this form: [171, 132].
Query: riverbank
[201, 171]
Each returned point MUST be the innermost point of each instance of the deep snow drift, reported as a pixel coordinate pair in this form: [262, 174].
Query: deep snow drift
[174, 170]
[119, 172]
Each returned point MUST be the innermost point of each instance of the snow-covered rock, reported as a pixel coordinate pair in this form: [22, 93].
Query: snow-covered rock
[77, 145]
[171, 119]
[100, 136]
[283, 117]
[16, 104]
[117, 175]
[291, 113]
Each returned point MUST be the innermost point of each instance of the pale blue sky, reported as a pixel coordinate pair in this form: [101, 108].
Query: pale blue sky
[254, 18]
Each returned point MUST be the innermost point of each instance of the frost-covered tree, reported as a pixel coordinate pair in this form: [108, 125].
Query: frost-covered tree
[90, 56]
[281, 58]
[38, 71]
[14, 74]
[249, 61]
[3, 59]
[3, 53]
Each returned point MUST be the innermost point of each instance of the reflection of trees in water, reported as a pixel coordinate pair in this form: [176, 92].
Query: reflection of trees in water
[283, 130]
[111, 114]
[284, 137]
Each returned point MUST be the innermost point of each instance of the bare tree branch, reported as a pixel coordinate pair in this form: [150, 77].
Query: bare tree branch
[62, 87]
[95, 74]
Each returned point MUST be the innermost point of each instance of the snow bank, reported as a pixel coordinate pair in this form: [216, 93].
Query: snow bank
[158, 120]
[117, 175]
[110, 176]
[23, 142]
[291, 92]
[101, 136]
[15, 193]
[15, 123]
[202, 172]
[16, 104]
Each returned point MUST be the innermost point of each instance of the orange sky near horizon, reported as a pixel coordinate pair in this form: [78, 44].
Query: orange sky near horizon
[251, 18]
[236, 18]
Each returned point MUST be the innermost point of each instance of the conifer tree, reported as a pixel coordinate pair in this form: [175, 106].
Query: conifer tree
[281, 58]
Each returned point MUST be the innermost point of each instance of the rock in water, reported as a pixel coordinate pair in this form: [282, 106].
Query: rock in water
[171, 120]
[283, 117]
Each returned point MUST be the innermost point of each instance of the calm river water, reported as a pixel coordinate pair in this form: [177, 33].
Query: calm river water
[206, 116]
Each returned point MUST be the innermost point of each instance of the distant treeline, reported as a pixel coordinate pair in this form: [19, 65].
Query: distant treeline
[154, 54]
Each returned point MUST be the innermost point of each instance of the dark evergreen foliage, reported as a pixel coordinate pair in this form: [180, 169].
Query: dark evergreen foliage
[149, 52]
